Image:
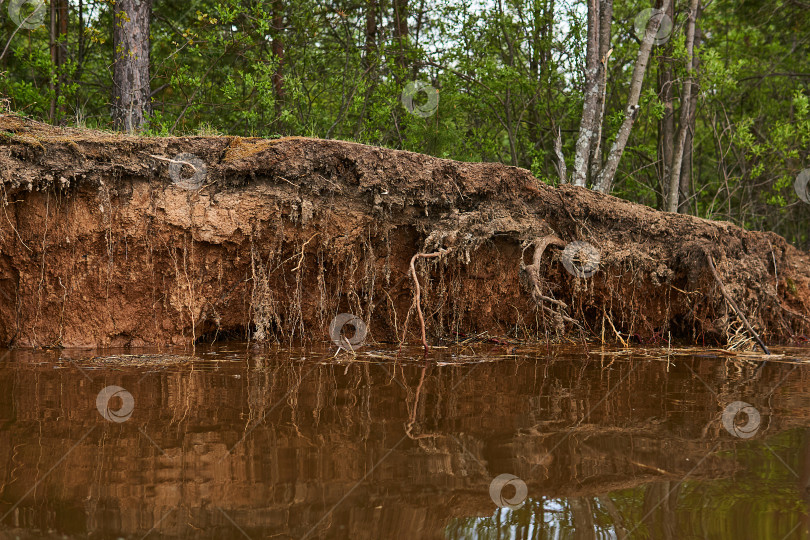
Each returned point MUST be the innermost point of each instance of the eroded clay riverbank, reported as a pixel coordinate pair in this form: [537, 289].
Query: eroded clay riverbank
[103, 244]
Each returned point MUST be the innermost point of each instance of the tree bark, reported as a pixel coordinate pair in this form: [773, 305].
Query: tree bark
[131, 94]
[371, 32]
[542, 20]
[686, 172]
[666, 126]
[590, 106]
[369, 62]
[686, 101]
[605, 179]
[582, 518]
[401, 31]
[62, 53]
[277, 46]
[561, 169]
[52, 86]
[605, 23]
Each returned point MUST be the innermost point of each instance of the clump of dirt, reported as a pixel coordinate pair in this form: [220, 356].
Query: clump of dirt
[270, 239]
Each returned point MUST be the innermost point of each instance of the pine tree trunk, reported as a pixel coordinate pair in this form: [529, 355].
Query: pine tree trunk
[369, 62]
[371, 32]
[131, 94]
[52, 86]
[61, 54]
[401, 31]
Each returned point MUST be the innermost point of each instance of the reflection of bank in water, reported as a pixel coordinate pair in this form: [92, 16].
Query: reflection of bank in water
[279, 442]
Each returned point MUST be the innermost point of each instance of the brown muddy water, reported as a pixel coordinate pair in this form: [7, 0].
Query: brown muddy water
[293, 443]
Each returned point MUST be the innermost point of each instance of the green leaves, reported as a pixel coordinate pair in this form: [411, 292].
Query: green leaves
[509, 74]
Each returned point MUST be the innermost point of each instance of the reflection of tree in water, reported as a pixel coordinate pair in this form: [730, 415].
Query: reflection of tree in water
[766, 498]
[408, 448]
[581, 518]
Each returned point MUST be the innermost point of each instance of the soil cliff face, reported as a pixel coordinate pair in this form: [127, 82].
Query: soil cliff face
[105, 241]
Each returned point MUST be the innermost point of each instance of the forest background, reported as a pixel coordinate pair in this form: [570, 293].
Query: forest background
[695, 106]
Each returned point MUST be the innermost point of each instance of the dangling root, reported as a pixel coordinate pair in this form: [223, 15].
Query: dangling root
[533, 270]
[733, 304]
[418, 293]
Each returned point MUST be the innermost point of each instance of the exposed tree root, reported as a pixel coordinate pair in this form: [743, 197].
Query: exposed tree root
[167, 160]
[733, 304]
[610, 321]
[533, 271]
[418, 293]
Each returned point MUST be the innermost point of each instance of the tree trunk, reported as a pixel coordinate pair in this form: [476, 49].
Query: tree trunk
[401, 31]
[803, 487]
[542, 18]
[131, 101]
[58, 50]
[605, 180]
[561, 169]
[52, 86]
[371, 32]
[534, 72]
[582, 518]
[605, 22]
[61, 53]
[277, 47]
[369, 62]
[686, 172]
[666, 126]
[686, 101]
[590, 106]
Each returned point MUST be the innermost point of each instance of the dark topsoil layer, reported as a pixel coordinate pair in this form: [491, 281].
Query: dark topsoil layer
[99, 247]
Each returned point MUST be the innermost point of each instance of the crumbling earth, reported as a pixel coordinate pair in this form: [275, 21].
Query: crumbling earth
[108, 240]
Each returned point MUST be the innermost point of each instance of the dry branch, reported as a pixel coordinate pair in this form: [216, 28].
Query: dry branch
[733, 304]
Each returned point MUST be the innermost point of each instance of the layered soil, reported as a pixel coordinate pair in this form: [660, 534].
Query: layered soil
[105, 242]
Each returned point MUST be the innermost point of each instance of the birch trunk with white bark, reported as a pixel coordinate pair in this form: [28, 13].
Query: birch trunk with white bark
[605, 179]
[686, 102]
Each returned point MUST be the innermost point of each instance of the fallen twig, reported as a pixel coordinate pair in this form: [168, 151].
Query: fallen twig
[733, 304]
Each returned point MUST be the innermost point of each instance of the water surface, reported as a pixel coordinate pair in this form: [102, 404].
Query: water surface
[292, 443]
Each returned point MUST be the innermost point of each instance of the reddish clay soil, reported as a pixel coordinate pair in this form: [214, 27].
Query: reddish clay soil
[99, 246]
